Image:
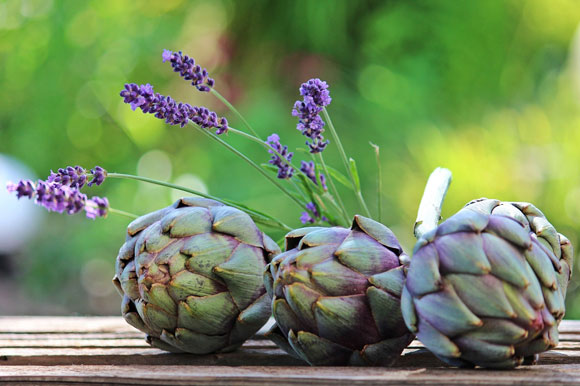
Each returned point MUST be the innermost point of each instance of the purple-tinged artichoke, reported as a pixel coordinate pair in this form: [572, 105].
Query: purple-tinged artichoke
[191, 276]
[336, 295]
[487, 286]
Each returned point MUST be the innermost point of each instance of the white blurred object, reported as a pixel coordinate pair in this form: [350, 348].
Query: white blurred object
[20, 219]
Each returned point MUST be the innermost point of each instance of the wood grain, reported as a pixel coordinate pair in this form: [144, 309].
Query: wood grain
[105, 350]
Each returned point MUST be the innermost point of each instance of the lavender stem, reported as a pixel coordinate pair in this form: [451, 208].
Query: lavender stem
[343, 211]
[233, 110]
[122, 213]
[255, 215]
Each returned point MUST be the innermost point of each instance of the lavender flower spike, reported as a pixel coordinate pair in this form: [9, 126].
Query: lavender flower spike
[317, 90]
[187, 69]
[311, 215]
[24, 188]
[284, 170]
[309, 169]
[174, 113]
[315, 97]
[61, 191]
[97, 207]
[99, 175]
[76, 177]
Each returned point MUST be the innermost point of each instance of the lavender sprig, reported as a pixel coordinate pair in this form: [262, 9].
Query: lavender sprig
[284, 169]
[60, 198]
[174, 113]
[96, 207]
[309, 170]
[311, 215]
[187, 69]
[76, 177]
[61, 191]
[315, 96]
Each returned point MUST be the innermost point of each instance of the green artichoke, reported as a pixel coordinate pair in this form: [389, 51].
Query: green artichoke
[191, 276]
[487, 286]
[336, 295]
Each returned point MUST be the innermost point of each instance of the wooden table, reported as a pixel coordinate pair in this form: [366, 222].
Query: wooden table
[105, 350]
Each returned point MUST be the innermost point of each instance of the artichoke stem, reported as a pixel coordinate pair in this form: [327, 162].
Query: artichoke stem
[429, 212]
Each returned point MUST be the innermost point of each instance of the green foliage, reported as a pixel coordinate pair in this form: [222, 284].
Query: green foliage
[488, 89]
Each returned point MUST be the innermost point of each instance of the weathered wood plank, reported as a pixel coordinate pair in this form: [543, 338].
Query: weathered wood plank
[107, 350]
[66, 324]
[242, 357]
[163, 375]
[57, 342]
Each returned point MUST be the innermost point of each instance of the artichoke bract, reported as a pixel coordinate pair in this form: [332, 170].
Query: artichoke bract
[336, 295]
[191, 276]
[487, 286]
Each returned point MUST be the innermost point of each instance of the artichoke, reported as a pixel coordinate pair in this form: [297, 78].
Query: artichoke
[487, 286]
[336, 295]
[191, 276]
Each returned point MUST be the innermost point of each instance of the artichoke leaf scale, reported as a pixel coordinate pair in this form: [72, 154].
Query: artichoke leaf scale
[334, 279]
[159, 296]
[462, 252]
[194, 343]
[464, 221]
[363, 254]
[242, 274]
[208, 250]
[234, 222]
[323, 236]
[386, 312]
[542, 265]
[446, 312]
[186, 283]
[482, 294]
[437, 342]
[154, 239]
[187, 222]
[285, 317]
[379, 232]
[301, 300]
[506, 261]
[385, 352]
[209, 315]
[317, 350]
[391, 281]
[510, 230]
[499, 331]
[423, 276]
[478, 350]
[338, 317]
[309, 257]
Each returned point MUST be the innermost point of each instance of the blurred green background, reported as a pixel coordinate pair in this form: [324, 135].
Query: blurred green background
[489, 89]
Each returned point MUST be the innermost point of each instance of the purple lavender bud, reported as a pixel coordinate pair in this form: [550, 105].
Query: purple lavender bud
[59, 198]
[166, 108]
[315, 96]
[188, 70]
[24, 188]
[323, 182]
[317, 90]
[306, 219]
[97, 207]
[75, 177]
[309, 169]
[99, 175]
[61, 191]
[284, 169]
[311, 215]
